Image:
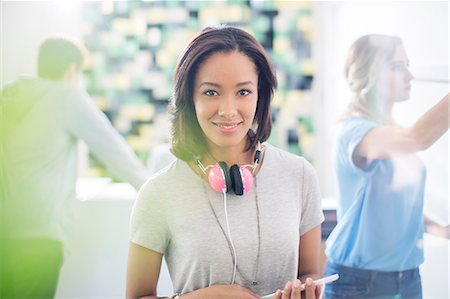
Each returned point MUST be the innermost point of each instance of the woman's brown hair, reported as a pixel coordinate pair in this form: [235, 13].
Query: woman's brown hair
[188, 140]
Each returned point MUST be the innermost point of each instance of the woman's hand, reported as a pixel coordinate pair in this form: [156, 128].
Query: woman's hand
[293, 290]
[222, 291]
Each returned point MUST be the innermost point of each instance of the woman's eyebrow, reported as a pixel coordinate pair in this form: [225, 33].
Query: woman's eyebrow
[218, 85]
[210, 83]
[245, 83]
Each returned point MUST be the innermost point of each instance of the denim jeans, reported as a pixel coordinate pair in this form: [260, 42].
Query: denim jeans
[354, 283]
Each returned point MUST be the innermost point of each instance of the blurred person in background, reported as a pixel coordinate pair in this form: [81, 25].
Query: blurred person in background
[41, 121]
[377, 245]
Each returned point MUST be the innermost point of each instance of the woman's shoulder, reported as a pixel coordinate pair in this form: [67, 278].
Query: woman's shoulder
[282, 154]
[285, 159]
[288, 167]
[354, 126]
[169, 174]
[168, 178]
[352, 121]
[355, 121]
[172, 188]
[160, 191]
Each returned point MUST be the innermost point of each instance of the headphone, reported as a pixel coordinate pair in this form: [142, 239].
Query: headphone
[237, 178]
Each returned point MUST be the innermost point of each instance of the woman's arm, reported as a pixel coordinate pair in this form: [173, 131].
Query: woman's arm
[310, 254]
[434, 228]
[389, 141]
[143, 272]
[309, 262]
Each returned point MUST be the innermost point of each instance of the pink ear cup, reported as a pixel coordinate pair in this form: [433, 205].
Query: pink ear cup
[247, 178]
[217, 182]
[215, 178]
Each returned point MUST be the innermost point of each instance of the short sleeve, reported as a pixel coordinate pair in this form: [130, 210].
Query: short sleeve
[351, 132]
[311, 215]
[148, 224]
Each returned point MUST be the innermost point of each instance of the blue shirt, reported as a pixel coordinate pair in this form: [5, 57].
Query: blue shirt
[380, 210]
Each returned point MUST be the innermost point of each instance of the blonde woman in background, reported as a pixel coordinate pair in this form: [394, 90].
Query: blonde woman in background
[376, 247]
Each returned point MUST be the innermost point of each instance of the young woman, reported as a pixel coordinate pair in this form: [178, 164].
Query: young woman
[376, 246]
[234, 216]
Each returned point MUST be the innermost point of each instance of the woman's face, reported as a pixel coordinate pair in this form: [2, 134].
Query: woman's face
[394, 82]
[225, 99]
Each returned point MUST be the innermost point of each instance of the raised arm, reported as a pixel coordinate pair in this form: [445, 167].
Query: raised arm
[85, 121]
[389, 141]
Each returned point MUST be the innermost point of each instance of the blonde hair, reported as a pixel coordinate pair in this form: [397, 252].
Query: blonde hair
[362, 66]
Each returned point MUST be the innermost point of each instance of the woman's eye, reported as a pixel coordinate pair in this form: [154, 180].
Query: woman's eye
[399, 67]
[210, 93]
[244, 92]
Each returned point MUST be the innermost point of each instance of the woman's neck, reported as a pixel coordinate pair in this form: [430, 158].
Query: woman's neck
[230, 156]
[384, 112]
[381, 109]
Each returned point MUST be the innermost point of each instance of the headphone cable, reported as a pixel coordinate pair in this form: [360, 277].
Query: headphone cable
[229, 235]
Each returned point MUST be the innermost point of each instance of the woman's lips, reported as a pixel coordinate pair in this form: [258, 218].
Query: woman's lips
[228, 128]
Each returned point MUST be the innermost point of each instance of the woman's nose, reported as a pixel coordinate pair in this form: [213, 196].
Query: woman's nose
[409, 75]
[227, 108]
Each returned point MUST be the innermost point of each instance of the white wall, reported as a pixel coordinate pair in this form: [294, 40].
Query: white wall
[24, 24]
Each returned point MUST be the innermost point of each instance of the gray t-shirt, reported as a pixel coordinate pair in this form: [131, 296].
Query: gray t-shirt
[172, 216]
